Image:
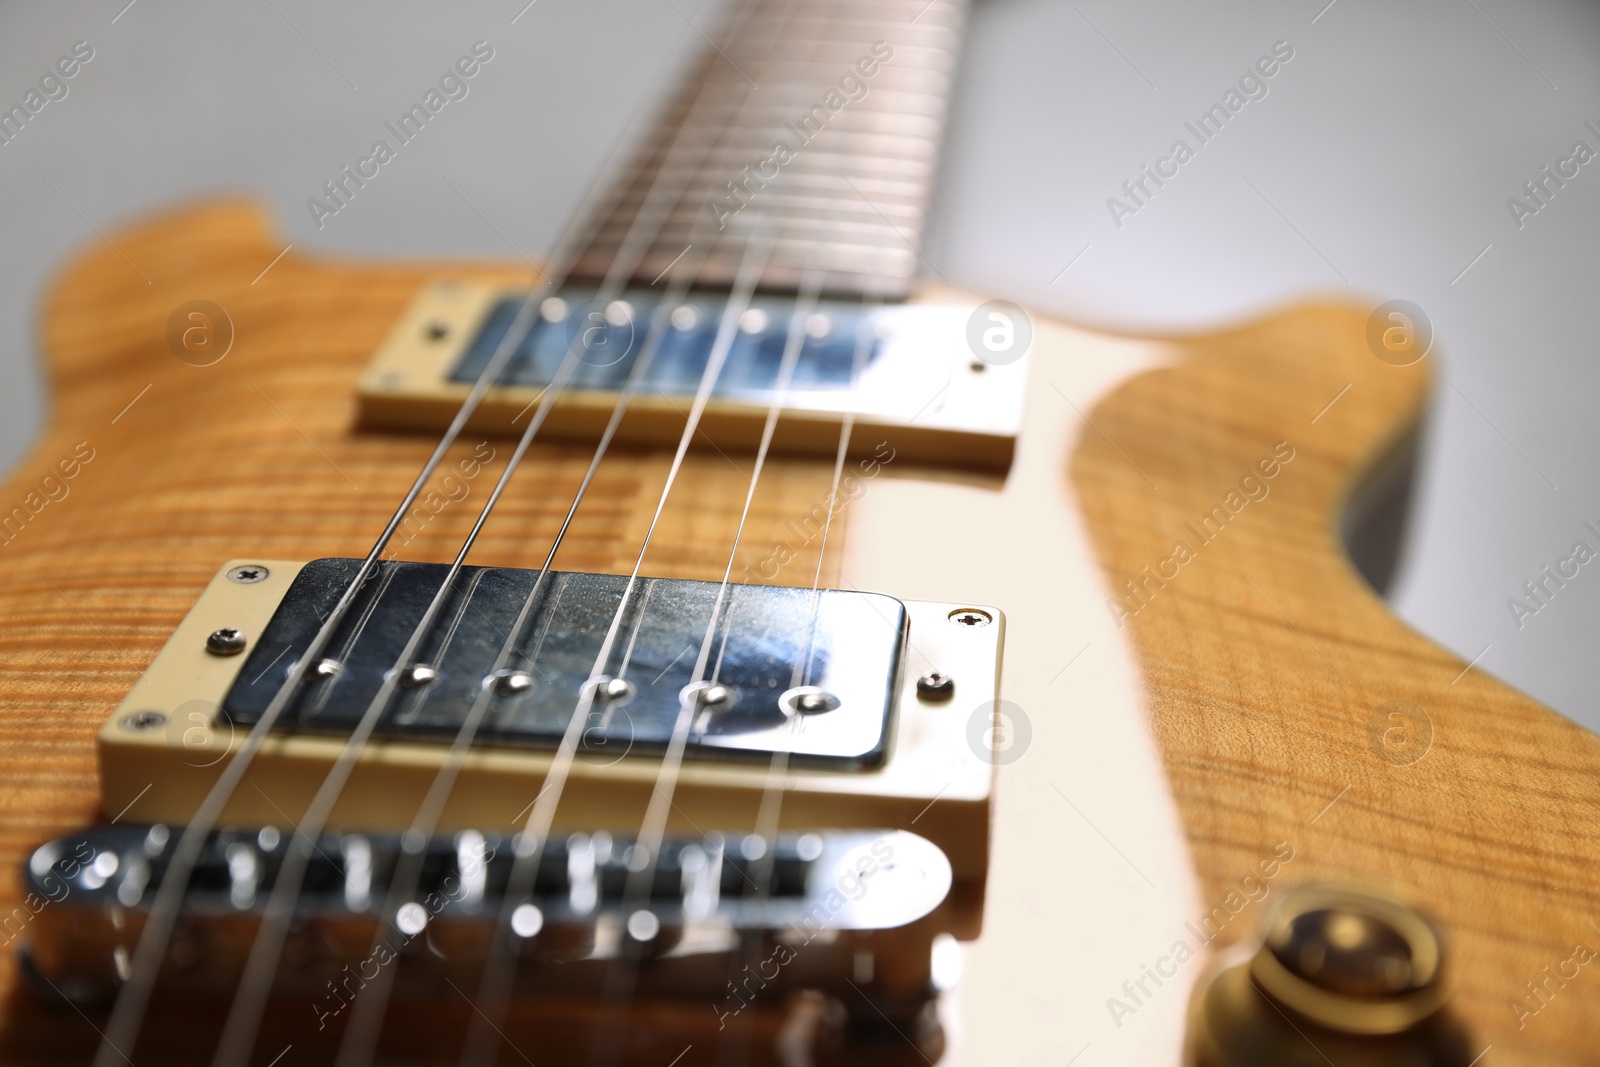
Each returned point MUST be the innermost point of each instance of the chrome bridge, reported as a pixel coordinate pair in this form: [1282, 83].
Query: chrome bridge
[826, 897]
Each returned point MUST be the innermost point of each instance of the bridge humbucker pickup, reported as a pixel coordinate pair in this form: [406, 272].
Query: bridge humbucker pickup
[864, 746]
[811, 673]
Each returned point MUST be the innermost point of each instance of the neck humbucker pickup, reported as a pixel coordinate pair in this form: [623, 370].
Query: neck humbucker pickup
[942, 383]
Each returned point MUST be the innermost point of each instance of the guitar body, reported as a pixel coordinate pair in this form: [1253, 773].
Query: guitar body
[1171, 744]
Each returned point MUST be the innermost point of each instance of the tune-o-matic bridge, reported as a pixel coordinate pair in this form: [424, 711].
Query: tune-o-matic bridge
[935, 379]
[825, 896]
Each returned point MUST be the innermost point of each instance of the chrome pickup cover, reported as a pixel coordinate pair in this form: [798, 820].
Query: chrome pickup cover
[612, 335]
[811, 673]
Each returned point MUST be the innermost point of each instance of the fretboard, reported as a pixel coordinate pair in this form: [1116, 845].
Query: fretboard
[811, 129]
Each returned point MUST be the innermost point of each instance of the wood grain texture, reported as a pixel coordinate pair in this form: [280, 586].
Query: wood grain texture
[258, 455]
[1267, 656]
[1263, 659]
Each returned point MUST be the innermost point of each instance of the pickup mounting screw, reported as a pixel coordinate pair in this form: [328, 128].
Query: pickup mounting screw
[417, 675]
[936, 686]
[249, 574]
[226, 642]
[973, 617]
[438, 330]
[144, 721]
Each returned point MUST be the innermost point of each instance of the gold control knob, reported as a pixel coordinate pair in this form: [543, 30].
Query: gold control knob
[1343, 975]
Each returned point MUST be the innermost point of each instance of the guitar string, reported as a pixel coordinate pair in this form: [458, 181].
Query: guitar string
[361, 1033]
[645, 852]
[249, 1002]
[497, 972]
[648, 841]
[243, 1021]
[735, 1044]
[768, 813]
[606, 1044]
[133, 999]
[359, 1044]
[767, 823]
[488, 375]
[482, 1023]
[494, 985]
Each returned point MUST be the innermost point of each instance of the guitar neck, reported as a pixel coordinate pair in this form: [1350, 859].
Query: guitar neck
[816, 126]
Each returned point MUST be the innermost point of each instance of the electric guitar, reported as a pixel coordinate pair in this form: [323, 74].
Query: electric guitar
[724, 644]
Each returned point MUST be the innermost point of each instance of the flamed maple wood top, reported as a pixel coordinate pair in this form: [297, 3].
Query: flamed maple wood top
[1270, 667]
[1264, 658]
[258, 454]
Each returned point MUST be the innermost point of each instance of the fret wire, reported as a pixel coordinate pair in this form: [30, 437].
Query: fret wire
[829, 189]
[885, 199]
[895, 127]
[886, 150]
[817, 205]
[837, 229]
[919, 134]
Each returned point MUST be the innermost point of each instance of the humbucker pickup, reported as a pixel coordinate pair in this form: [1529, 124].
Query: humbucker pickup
[926, 386]
[829, 679]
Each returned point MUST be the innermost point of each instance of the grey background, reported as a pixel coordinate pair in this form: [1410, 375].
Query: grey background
[1378, 166]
